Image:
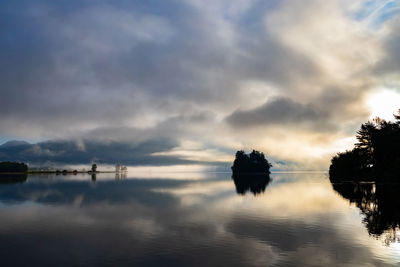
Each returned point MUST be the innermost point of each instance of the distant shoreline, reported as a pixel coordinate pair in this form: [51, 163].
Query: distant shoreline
[58, 172]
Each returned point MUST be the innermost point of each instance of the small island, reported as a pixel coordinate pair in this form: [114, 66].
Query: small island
[253, 163]
[375, 157]
[13, 167]
[250, 172]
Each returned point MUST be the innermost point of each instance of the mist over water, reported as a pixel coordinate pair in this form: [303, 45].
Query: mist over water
[294, 219]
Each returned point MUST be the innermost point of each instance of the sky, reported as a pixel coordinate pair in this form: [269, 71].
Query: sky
[190, 82]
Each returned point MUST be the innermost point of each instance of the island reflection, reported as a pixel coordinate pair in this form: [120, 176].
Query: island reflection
[254, 183]
[13, 178]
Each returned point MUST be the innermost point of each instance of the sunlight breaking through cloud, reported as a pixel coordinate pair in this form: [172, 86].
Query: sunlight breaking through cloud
[227, 75]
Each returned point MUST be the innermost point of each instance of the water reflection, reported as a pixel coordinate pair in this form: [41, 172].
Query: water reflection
[181, 222]
[254, 183]
[12, 178]
[379, 203]
[121, 175]
[93, 177]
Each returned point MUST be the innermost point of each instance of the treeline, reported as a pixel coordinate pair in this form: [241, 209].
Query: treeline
[376, 155]
[8, 166]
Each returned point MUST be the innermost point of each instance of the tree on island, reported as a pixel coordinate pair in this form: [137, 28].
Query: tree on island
[250, 172]
[376, 156]
[94, 167]
[255, 162]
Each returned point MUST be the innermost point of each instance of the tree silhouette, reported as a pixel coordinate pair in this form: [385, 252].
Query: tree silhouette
[376, 155]
[255, 162]
[397, 117]
[94, 167]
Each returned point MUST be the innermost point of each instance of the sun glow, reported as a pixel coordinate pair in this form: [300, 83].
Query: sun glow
[384, 104]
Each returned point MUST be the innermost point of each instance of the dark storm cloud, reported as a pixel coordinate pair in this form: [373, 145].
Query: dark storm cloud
[85, 152]
[277, 111]
[125, 145]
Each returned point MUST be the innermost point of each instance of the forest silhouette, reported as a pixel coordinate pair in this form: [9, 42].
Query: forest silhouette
[369, 176]
[375, 157]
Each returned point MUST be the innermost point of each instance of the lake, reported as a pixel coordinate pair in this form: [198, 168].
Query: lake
[196, 219]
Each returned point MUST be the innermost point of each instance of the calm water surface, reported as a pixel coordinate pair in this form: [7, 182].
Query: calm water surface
[196, 219]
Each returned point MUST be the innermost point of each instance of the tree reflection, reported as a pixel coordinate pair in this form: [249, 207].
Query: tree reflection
[379, 203]
[13, 178]
[120, 176]
[94, 177]
[254, 183]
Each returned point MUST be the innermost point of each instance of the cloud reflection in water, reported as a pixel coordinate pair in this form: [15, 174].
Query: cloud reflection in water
[297, 220]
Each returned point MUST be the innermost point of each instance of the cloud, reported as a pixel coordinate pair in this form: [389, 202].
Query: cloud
[277, 111]
[69, 152]
[128, 69]
[389, 66]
